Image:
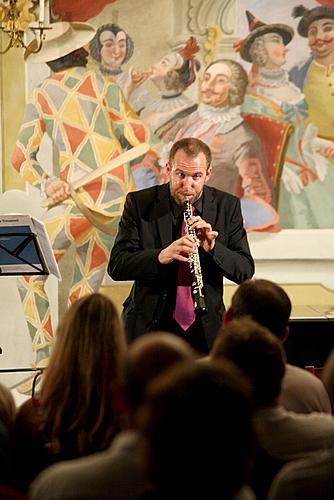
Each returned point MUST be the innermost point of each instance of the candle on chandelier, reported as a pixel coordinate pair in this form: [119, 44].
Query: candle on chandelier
[41, 11]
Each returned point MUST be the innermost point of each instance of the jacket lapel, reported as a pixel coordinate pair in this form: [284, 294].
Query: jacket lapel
[209, 206]
[164, 216]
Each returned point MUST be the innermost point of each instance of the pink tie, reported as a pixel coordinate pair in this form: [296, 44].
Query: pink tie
[184, 312]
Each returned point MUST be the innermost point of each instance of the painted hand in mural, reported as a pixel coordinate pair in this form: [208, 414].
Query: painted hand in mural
[134, 80]
[58, 190]
[291, 181]
[327, 152]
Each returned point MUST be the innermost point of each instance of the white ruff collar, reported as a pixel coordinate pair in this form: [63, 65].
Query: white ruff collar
[225, 118]
[161, 105]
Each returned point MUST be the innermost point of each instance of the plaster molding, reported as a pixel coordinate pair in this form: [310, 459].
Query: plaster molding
[197, 15]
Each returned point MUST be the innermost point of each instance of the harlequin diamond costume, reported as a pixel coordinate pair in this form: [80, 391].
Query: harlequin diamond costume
[90, 123]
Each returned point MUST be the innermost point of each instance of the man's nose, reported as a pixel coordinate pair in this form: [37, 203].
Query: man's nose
[188, 180]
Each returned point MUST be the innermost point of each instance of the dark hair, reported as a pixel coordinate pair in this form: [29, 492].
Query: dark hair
[77, 390]
[257, 352]
[192, 147]
[308, 16]
[265, 301]
[149, 356]
[198, 424]
[95, 44]
[75, 58]
[181, 78]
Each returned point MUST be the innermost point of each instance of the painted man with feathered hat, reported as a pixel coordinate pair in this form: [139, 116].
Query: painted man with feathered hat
[316, 76]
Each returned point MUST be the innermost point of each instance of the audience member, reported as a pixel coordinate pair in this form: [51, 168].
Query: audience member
[7, 421]
[197, 421]
[311, 478]
[269, 305]
[7, 407]
[328, 377]
[75, 412]
[117, 473]
[285, 435]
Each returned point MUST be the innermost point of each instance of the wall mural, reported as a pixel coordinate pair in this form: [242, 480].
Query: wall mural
[258, 91]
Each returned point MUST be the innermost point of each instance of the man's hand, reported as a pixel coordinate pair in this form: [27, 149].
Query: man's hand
[178, 250]
[205, 234]
[58, 190]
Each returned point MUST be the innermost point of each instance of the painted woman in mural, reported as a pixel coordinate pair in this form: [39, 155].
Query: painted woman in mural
[171, 75]
[112, 47]
[306, 194]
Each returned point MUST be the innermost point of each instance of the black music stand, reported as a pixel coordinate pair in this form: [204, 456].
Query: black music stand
[25, 249]
[20, 253]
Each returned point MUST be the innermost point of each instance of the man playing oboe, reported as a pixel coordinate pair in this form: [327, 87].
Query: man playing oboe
[155, 247]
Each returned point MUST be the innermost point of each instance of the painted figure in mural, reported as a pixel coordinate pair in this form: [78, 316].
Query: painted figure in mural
[172, 75]
[306, 194]
[316, 76]
[236, 149]
[111, 47]
[89, 123]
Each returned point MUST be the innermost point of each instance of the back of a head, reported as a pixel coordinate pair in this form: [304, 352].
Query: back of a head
[149, 356]
[258, 353]
[85, 364]
[7, 407]
[198, 423]
[328, 377]
[265, 301]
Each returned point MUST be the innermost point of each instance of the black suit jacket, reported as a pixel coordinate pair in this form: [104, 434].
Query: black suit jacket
[146, 228]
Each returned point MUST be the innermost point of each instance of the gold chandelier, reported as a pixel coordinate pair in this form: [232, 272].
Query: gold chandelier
[16, 18]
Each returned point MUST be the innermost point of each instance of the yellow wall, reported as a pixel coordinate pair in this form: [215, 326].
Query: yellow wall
[303, 296]
[12, 105]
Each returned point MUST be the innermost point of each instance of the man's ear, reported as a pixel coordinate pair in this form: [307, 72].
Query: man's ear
[168, 168]
[285, 334]
[208, 173]
[228, 316]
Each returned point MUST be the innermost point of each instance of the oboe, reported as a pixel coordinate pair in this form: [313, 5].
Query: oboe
[194, 263]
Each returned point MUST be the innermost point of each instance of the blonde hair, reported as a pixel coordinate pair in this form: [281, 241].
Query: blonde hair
[258, 52]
